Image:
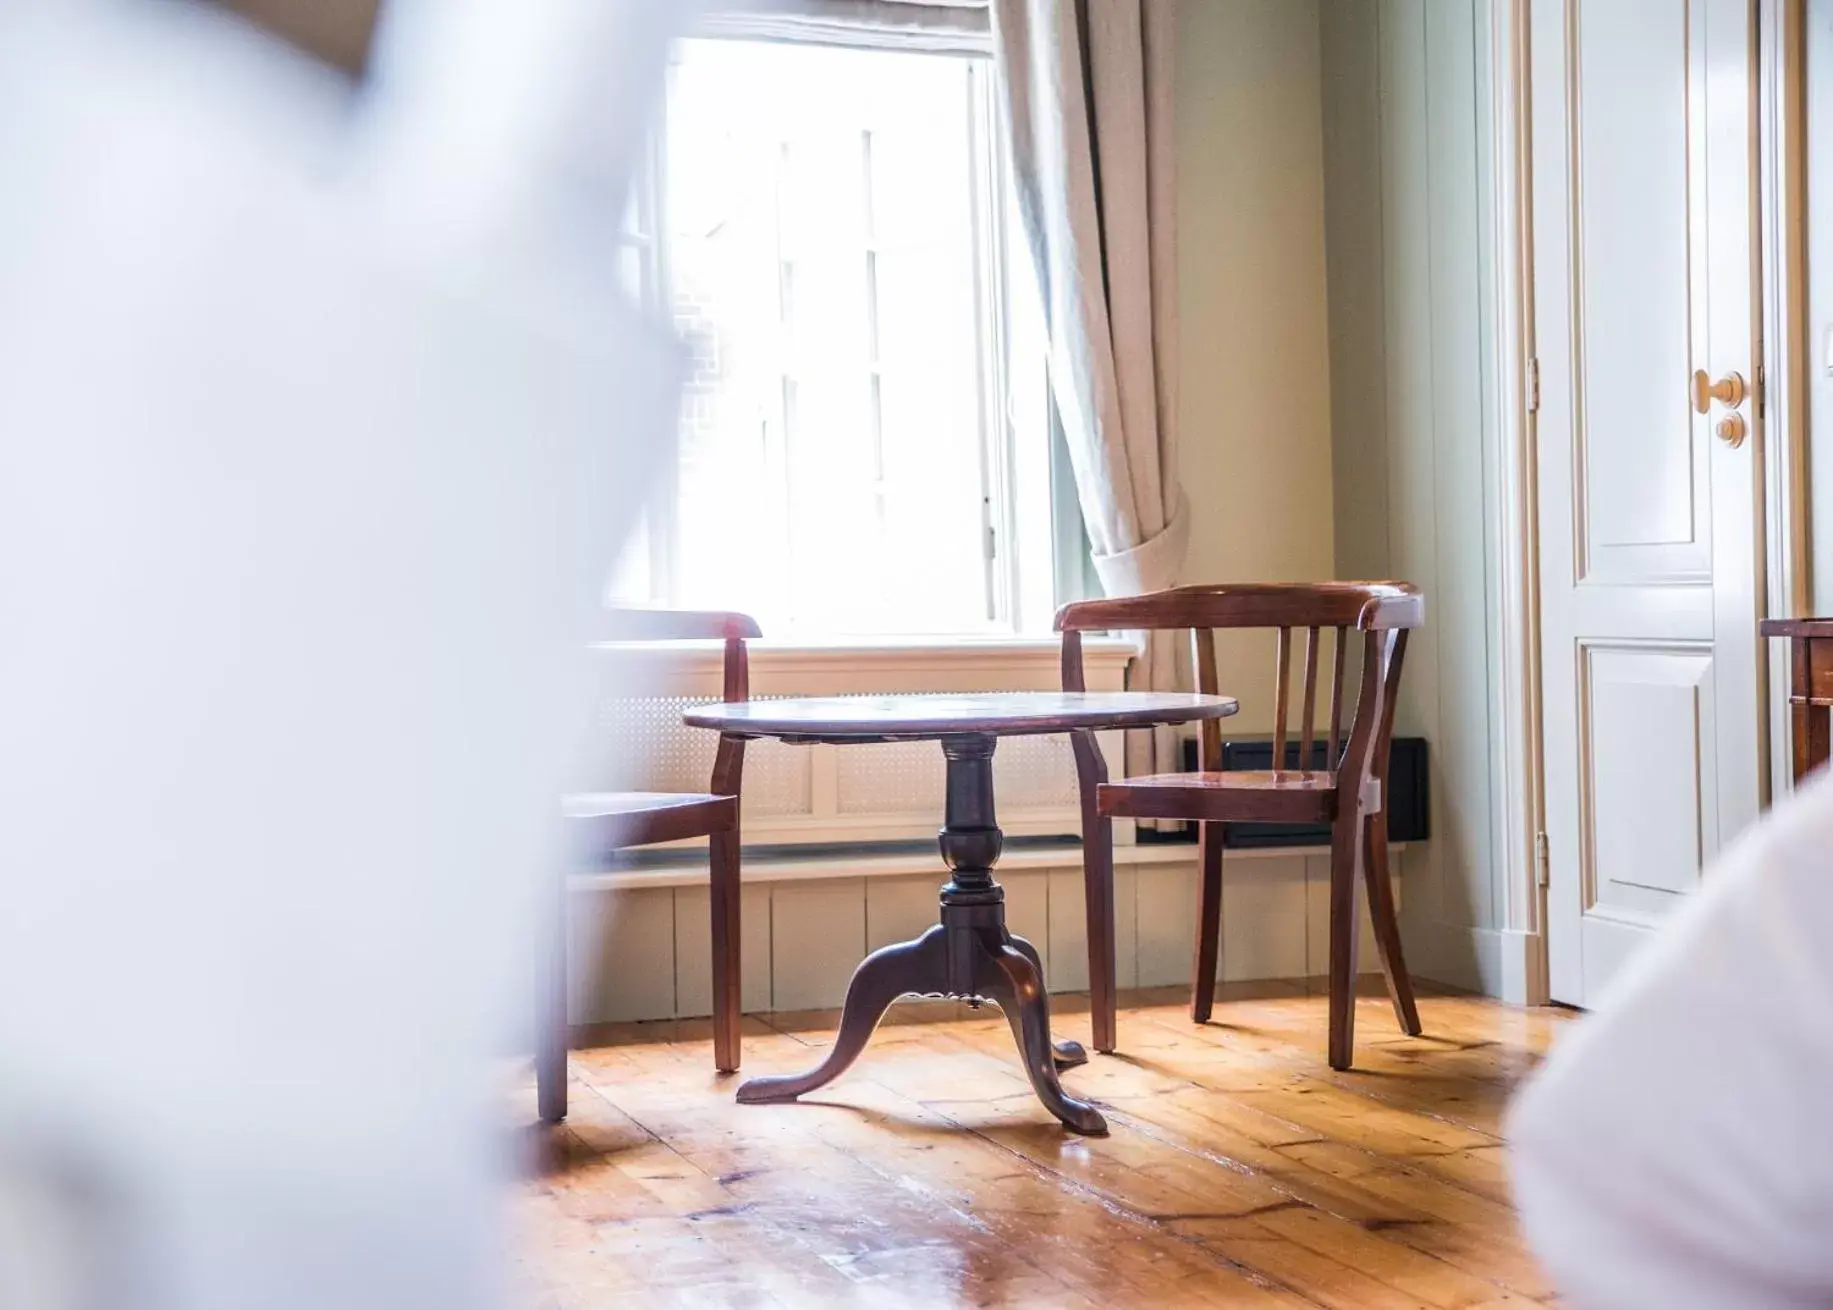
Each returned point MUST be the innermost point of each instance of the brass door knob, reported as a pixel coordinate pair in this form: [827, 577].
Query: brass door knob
[1727, 391]
[1731, 430]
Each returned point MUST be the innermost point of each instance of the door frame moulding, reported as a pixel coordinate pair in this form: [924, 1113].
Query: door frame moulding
[1780, 234]
[1781, 229]
[1514, 517]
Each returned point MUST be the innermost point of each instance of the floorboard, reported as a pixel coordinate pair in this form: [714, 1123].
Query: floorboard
[1240, 1171]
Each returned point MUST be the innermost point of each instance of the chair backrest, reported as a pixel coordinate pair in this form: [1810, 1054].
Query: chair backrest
[1382, 611]
[624, 624]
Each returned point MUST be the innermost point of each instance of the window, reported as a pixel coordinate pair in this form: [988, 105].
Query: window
[864, 439]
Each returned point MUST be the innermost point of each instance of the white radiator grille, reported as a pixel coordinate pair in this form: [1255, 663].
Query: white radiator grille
[890, 778]
[661, 753]
[1029, 772]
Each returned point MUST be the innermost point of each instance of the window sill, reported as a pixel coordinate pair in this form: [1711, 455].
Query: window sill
[877, 664]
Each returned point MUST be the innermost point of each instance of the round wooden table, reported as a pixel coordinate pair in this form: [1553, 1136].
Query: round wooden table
[969, 955]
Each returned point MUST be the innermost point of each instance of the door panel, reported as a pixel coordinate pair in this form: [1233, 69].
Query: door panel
[1627, 101]
[1648, 732]
[1644, 187]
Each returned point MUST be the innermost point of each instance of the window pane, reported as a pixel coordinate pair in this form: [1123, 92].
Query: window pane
[820, 226]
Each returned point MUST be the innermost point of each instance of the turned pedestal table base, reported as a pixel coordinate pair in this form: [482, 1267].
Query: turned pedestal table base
[969, 956]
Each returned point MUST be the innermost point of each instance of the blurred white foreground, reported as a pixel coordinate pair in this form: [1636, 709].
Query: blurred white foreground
[1675, 1149]
[319, 424]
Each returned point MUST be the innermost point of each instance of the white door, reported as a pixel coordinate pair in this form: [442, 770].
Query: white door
[1644, 194]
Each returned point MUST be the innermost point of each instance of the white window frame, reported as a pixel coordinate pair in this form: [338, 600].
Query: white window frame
[1021, 592]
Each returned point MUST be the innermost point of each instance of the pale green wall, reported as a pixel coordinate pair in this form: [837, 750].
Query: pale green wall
[1407, 138]
[1254, 413]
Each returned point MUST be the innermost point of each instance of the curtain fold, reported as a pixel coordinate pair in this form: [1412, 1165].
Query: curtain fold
[1089, 106]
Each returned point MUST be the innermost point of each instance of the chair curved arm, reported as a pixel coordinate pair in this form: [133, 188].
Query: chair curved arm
[1365, 606]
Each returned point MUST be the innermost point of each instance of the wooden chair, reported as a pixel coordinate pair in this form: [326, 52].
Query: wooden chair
[1348, 794]
[606, 822]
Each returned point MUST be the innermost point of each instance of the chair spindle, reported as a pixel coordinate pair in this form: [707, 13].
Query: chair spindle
[1282, 695]
[1209, 732]
[1308, 711]
[1336, 698]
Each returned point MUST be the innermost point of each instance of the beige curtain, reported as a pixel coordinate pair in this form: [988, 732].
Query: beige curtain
[1089, 105]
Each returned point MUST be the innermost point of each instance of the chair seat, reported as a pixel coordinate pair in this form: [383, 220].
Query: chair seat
[1237, 795]
[616, 819]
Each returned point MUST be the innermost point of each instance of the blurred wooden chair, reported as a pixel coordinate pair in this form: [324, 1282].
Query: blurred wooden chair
[1347, 793]
[1810, 689]
[606, 822]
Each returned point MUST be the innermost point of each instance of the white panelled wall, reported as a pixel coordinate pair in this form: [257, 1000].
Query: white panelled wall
[640, 950]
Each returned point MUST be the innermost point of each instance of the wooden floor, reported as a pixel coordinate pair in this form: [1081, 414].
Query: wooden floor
[1240, 1171]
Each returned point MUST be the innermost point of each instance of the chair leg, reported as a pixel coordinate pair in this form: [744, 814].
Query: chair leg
[1810, 738]
[1098, 890]
[726, 964]
[1209, 921]
[1097, 886]
[1345, 854]
[551, 1040]
[1387, 926]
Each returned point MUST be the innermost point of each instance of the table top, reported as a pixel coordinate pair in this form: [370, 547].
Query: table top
[925, 717]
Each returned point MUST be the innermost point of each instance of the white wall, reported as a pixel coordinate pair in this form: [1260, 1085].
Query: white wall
[1254, 415]
[1406, 125]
